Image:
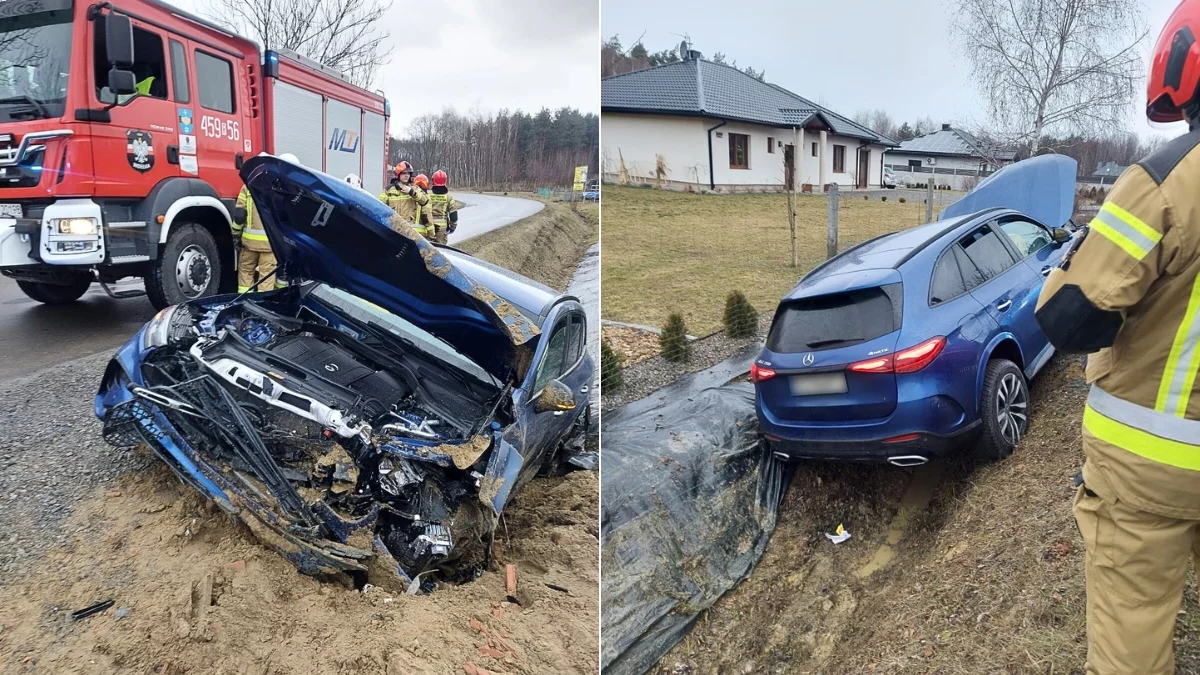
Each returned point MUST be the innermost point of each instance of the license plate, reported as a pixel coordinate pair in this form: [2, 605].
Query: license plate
[11, 211]
[818, 383]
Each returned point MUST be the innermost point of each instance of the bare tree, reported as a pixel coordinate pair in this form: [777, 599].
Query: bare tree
[1049, 66]
[877, 120]
[346, 35]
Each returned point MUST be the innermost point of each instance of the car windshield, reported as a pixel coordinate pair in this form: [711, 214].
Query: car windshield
[367, 312]
[35, 52]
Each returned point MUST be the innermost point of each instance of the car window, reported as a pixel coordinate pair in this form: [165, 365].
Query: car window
[1026, 236]
[832, 321]
[987, 251]
[971, 275]
[947, 282]
[552, 360]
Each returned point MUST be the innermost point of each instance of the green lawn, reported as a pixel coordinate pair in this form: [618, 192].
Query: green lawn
[668, 251]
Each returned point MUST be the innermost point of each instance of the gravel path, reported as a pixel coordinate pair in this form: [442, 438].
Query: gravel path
[51, 457]
[645, 377]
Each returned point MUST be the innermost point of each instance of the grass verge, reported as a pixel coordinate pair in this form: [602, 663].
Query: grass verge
[672, 251]
[545, 247]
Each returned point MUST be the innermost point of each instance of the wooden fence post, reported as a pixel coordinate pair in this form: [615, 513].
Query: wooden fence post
[831, 240]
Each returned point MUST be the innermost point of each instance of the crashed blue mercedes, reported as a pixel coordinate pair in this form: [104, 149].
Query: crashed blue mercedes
[376, 415]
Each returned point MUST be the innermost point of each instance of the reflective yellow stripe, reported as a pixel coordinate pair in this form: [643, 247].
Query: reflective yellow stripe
[1141, 443]
[243, 289]
[1125, 230]
[254, 237]
[1179, 377]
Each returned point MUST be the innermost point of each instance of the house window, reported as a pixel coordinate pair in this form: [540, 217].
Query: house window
[739, 151]
[814, 149]
[839, 159]
[770, 145]
[914, 164]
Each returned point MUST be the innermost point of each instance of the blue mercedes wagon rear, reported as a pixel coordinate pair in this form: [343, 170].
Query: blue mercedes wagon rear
[906, 345]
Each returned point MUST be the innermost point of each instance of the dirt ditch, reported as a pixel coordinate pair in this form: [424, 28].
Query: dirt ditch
[194, 592]
[950, 569]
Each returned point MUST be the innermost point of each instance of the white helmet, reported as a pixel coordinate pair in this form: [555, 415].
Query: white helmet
[289, 157]
[354, 180]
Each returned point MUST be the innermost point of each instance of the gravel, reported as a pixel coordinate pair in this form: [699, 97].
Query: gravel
[646, 377]
[51, 457]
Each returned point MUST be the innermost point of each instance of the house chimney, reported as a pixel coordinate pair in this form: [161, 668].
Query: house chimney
[945, 126]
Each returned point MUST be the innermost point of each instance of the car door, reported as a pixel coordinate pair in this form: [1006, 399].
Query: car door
[1034, 244]
[1002, 284]
[560, 356]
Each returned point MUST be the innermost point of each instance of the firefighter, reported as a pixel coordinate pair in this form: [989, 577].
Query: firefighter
[424, 224]
[1128, 294]
[443, 211]
[403, 197]
[254, 249]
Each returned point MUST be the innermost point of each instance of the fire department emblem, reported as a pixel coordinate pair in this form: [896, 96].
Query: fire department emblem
[139, 150]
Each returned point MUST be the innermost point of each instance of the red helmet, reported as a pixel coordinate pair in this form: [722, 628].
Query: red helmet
[403, 167]
[421, 181]
[439, 178]
[1171, 94]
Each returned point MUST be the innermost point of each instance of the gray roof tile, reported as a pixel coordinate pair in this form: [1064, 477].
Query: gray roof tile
[699, 87]
[951, 142]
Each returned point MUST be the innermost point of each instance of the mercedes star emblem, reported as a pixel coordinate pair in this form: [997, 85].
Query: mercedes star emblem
[808, 359]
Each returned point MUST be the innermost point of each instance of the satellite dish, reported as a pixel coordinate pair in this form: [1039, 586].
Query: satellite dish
[683, 50]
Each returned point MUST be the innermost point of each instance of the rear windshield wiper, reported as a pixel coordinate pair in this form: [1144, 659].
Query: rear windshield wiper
[832, 341]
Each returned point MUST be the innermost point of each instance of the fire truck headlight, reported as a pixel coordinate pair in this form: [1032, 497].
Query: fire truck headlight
[77, 226]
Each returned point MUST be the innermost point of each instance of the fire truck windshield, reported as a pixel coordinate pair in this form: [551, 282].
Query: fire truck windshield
[35, 53]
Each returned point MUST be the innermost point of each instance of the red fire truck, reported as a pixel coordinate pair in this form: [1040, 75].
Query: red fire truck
[122, 129]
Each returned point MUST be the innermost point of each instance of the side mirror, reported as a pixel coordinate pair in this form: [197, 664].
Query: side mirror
[556, 397]
[1060, 234]
[122, 82]
[239, 215]
[118, 37]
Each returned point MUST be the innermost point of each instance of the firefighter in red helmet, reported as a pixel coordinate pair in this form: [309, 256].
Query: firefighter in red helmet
[443, 210]
[404, 197]
[1128, 294]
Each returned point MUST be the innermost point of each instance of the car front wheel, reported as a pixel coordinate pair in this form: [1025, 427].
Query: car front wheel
[1004, 409]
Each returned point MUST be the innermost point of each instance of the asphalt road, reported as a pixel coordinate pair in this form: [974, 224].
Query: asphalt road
[34, 336]
[488, 212]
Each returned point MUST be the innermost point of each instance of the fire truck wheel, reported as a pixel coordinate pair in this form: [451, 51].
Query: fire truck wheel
[189, 267]
[56, 294]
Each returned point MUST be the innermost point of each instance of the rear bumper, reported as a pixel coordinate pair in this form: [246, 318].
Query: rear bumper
[925, 447]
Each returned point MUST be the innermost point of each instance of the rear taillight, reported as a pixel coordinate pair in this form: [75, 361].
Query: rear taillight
[759, 374]
[879, 365]
[915, 358]
[907, 361]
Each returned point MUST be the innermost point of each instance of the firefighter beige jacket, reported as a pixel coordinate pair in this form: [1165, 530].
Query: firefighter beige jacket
[1133, 284]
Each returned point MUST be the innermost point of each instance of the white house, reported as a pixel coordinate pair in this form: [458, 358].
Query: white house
[695, 124]
[951, 156]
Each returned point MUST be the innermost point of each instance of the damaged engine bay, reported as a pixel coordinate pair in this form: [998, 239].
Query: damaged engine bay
[339, 442]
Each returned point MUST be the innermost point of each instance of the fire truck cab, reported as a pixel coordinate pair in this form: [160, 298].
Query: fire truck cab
[123, 126]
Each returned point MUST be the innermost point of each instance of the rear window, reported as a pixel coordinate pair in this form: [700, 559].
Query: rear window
[833, 321]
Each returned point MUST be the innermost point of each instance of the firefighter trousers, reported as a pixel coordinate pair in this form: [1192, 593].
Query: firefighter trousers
[1136, 563]
[439, 234]
[248, 260]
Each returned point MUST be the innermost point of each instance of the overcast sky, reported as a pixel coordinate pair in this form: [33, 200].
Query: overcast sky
[487, 55]
[869, 53]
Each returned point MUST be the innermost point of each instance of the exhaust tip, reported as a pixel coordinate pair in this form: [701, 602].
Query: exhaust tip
[907, 460]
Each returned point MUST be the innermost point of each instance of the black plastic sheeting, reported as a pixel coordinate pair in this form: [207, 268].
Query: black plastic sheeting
[689, 499]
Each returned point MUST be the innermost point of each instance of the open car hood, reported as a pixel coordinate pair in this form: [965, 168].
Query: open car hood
[1041, 187]
[323, 229]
